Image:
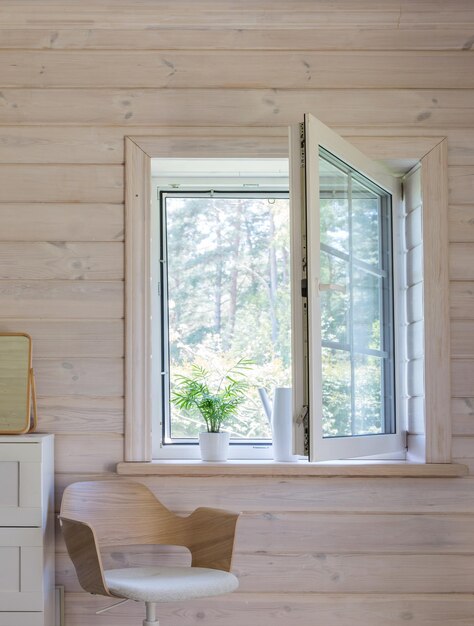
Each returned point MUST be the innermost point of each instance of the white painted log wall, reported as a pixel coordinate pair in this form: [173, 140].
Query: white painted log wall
[75, 78]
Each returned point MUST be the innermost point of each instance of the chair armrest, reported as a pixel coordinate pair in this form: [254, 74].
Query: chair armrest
[211, 538]
[81, 544]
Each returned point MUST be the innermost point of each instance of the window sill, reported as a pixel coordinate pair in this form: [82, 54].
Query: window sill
[301, 468]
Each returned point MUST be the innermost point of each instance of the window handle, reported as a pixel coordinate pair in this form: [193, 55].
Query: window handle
[332, 287]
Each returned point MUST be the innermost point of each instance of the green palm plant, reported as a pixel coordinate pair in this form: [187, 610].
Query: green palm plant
[216, 405]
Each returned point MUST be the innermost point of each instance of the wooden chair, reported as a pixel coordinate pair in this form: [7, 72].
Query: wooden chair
[96, 515]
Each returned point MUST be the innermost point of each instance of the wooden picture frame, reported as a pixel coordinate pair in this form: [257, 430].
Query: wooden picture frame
[25, 421]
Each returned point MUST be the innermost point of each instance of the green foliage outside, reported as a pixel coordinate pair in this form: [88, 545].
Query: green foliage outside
[229, 299]
[361, 412]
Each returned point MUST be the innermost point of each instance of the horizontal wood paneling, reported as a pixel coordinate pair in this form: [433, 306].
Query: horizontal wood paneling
[264, 14]
[351, 573]
[463, 425]
[78, 376]
[95, 144]
[26, 144]
[303, 494]
[460, 261]
[462, 377]
[87, 452]
[80, 414]
[462, 406]
[462, 338]
[461, 223]
[460, 147]
[462, 300]
[277, 609]
[310, 572]
[415, 108]
[79, 76]
[61, 299]
[250, 70]
[463, 416]
[61, 183]
[363, 38]
[61, 222]
[461, 185]
[61, 260]
[71, 338]
[463, 448]
[361, 534]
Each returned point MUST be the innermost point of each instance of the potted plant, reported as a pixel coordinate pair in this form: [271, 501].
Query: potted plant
[216, 403]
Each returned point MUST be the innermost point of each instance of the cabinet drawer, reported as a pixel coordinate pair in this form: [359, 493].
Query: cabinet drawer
[21, 569]
[20, 484]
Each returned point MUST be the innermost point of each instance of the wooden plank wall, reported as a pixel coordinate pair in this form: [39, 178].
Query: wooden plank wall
[78, 75]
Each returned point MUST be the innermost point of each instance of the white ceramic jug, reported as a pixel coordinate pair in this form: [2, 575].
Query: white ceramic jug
[280, 417]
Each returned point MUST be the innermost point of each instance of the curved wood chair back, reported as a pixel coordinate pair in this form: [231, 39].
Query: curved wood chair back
[100, 514]
[123, 513]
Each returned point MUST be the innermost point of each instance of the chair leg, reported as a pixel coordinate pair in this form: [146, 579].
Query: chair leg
[150, 615]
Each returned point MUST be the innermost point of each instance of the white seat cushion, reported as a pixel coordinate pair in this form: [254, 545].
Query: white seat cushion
[169, 584]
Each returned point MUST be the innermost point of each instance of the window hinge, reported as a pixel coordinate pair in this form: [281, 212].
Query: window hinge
[304, 288]
[302, 146]
[405, 439]
[158, 288]
[303, 420]
[303, 415]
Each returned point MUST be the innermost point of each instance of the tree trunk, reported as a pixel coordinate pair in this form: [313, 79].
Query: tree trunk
[219, 275]
[273, 287]
[234, 274]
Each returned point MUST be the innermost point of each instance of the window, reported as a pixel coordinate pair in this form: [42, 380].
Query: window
[430, 441]
[222, 261]
[344, 272]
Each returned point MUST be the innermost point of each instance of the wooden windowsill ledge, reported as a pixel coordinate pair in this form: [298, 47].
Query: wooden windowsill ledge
[301, 468]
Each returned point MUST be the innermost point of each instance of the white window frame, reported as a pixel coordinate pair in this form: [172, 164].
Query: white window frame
[306, 140]
[435, 445]
[242, 450]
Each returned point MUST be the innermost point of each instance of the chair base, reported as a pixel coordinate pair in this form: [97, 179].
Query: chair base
[150, 619]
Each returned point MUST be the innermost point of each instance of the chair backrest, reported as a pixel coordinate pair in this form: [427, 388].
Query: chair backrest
[123, 513]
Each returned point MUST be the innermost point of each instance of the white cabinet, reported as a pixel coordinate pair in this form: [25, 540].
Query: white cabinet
[27, 530]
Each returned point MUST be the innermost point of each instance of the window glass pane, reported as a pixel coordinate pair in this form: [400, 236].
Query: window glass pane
[368, 389]
[334, 299]
[365, 223]
[334, 207]
[336, 367]
[355, 300]
[228, 294]
[366, 308]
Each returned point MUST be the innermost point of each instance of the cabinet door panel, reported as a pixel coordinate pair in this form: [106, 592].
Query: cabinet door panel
[20, 484]
[21, 563]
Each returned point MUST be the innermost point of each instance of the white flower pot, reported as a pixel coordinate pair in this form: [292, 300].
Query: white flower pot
[214, 446]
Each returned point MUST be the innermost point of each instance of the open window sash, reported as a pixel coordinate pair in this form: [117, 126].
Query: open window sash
[312, 437]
